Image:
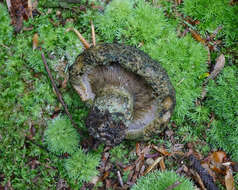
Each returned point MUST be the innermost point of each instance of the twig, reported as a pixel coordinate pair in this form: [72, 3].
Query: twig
[59, 96]
[93, 34]
[81, 38]
[119, 178]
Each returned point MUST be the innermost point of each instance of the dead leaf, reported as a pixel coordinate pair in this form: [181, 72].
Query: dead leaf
[220, 62]
[218, 156]
[35, 41]
[161, 150]
[197, 36]
[191, 21]
[105, 175]
[229, 180]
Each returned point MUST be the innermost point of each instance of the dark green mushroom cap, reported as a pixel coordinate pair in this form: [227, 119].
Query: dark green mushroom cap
[126, 84]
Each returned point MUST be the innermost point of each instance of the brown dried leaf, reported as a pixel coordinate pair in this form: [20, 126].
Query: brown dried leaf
[161, 150]
[191, 21]
[105, 175]
[35, 41]
[220, 62]
[229, 180]
[218, 156]
[197, 36]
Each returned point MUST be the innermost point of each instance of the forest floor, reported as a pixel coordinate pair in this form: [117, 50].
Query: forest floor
[196, 41]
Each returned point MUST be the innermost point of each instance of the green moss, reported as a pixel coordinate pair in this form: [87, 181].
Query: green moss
[6, 30]
[185, 62]
[162, 180]
[119, 154]
[82, 167]
[27, 101]
[132, 22]
[214, 13]
[222, 100]
[61, 137]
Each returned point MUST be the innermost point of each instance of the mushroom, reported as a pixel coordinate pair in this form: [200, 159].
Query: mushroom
[129, 93]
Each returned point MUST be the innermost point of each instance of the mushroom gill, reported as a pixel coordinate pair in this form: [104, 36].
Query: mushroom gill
[130, 94]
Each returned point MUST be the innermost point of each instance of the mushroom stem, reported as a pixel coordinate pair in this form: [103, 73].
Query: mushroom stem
[93, 34]
[81, 38]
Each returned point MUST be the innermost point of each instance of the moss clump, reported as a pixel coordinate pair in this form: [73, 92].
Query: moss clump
[61, 137]
[141, 24]
[222, 99]
[162, 180]
[82, 167]
[212, 14]
[132, 22]
[119, 154]
[5, 30]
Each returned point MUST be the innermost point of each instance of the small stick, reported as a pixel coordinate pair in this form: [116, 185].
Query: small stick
[93, 34]
[59, 96]
[81, 38]
[119, 178]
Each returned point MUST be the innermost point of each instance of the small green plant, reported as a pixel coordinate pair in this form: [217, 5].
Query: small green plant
[119, 153]
[212, 14]
[61, 137]
[162, 180]
[5, 30]
[81, 166]
[222, 100]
